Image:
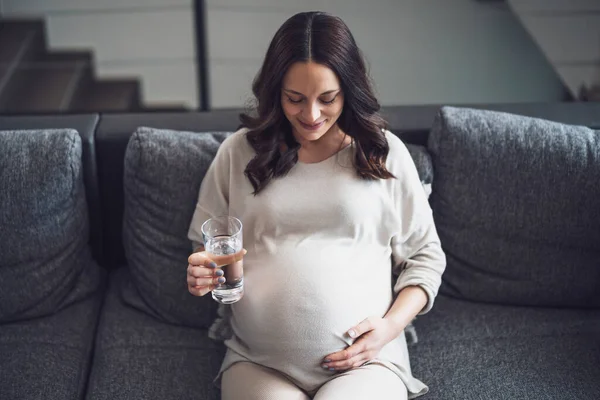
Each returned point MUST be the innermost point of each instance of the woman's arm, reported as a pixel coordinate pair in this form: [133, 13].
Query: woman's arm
[374, 333]
[408, 304]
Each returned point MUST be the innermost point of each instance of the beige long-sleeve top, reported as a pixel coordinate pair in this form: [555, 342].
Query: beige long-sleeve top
[321, 246]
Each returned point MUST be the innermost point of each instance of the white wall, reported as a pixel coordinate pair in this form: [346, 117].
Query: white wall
[152, 40]
[420, 51]
[568, 32]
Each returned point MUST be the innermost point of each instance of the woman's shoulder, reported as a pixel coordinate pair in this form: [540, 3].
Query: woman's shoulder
[236, 144]
[398, 152]
[236, 138]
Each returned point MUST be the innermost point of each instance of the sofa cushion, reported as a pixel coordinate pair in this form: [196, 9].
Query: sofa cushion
[163, 172]
[140, 357]
[473, 351]
[85, 125]
[422, 160]
[49, 357]
[45, 262]
[517, 206]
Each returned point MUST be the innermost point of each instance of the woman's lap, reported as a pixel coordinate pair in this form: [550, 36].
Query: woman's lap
[249, 381]
[371, 381]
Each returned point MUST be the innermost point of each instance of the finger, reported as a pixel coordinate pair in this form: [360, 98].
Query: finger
[200, 291]
[350, 363]
[349, 357]
[351, 351]
[365, 326]
[203, 272]
[205, 281]
[201, 258]
[228, 258]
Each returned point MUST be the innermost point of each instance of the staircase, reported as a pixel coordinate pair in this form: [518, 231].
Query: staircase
[568, 33]
[34, 80]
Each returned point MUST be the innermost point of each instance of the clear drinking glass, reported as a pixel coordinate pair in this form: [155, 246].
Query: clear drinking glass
[223, 237]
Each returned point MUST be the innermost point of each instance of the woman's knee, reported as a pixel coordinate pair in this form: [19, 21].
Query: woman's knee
[249, 381]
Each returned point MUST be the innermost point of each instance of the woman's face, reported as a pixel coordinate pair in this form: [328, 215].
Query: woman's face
[311, 99]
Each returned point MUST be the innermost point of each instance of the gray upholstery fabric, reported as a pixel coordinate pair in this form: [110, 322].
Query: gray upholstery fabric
[45, 263]
[85, 125]
[422, 160]
[163, 172]
[140, 357]
[476, 351]
[49, 357]
[516, 203]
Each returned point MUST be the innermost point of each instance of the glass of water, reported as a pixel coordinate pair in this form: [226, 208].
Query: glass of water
[223, 237]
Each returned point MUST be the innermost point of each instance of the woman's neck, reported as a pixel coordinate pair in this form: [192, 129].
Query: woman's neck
[313, 151]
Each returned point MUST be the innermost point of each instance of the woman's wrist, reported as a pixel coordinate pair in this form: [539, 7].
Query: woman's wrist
[409, 302]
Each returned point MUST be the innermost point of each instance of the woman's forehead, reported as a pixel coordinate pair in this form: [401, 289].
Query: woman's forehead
[308, 78]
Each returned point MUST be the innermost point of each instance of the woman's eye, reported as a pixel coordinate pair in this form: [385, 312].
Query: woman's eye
[328, 101]
[294, 100]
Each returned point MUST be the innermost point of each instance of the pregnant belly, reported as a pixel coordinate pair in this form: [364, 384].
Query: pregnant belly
[300, 301]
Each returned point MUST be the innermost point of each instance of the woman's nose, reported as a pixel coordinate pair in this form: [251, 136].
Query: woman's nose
[312, 112]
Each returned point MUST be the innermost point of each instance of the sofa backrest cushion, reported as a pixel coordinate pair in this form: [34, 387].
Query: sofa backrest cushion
[85, 125]
[45, 261]
[517, 207]
[163, 172]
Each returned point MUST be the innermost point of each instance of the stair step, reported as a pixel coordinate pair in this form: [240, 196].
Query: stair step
[4, 71]
[84, 57]
[85, 61]
[33, 80]
[21, 42]
[109, 96]
[45, 87]
[19, 38]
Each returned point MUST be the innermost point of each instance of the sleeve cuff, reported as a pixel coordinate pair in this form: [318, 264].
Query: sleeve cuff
[404, 281]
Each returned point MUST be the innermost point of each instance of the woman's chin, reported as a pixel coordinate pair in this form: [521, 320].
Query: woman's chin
[309, 134]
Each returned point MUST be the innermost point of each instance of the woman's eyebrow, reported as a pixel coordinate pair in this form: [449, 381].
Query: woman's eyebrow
[300, 94]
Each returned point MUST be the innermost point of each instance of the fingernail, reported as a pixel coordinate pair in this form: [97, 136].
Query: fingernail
[351, 333]
[213, 264]
[327, 360]
[332, 369]
[219, 272]
[221, 280]
[325, 366]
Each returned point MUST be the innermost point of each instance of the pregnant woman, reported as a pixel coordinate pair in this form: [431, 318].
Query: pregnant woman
[331, 204]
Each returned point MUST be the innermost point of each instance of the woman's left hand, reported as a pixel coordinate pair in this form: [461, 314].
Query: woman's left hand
[371, 335]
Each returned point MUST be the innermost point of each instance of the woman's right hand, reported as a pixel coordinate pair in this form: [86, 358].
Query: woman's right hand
[203, 273]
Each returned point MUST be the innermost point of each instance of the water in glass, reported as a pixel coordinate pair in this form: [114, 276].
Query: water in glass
[233, 288]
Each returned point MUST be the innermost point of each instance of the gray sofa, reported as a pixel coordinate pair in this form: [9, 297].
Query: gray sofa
[94, 211]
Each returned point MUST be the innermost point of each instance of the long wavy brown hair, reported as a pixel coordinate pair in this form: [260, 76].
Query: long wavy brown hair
[324, 39]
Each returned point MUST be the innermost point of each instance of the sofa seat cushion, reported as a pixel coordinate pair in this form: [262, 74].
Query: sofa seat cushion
[45, 259]
[49, 357]
[471, 350]
[138, 356]
[517, 206]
